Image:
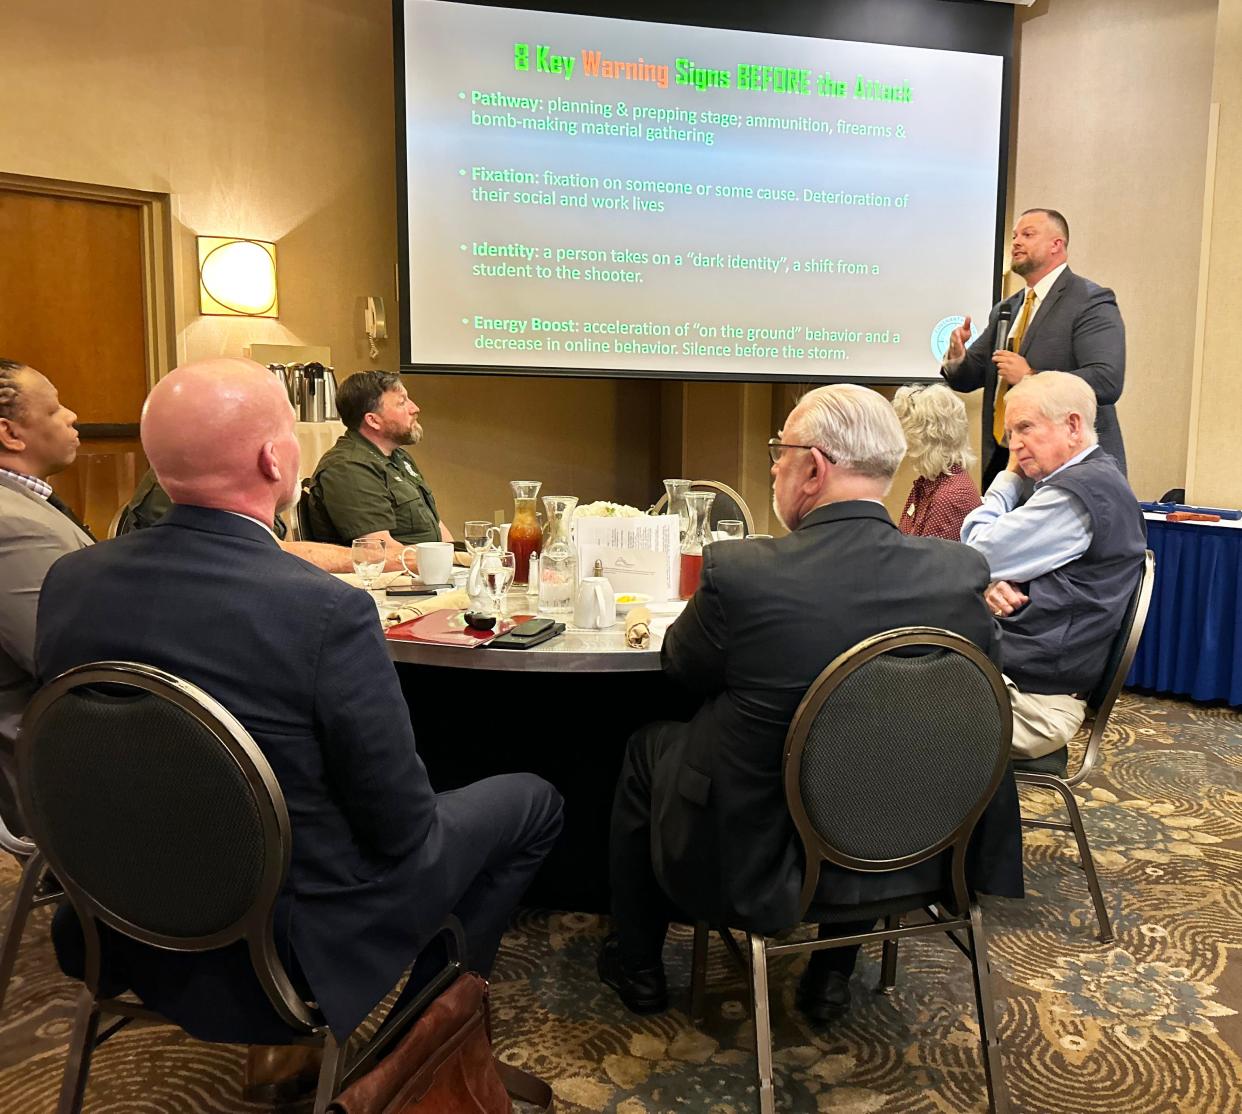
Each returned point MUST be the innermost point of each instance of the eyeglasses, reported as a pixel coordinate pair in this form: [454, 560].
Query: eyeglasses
[776, 447]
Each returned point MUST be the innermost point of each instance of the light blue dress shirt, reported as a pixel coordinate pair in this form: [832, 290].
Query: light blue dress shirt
[1051, 529]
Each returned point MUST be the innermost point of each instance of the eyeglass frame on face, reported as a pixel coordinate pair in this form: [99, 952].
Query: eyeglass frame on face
[776, 447]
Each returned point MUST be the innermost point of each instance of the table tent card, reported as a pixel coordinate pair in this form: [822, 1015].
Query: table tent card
[641, 554]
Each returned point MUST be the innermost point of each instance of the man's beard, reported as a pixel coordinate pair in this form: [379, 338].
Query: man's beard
[411, 436]
[777, 511]
[1025, 266]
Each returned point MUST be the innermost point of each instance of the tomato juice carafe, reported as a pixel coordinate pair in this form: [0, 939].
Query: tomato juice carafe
[525, 533]
[698, 534]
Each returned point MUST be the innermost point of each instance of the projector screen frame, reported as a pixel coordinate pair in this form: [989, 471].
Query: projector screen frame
[969, 26]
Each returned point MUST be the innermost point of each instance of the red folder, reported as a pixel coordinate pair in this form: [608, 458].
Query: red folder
[445, 628]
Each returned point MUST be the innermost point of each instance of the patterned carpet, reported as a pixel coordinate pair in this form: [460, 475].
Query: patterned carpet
[1151, 1024]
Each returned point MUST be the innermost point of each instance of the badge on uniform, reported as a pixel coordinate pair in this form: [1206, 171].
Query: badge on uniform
[410, 468]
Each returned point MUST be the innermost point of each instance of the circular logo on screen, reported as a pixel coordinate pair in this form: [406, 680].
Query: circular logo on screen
[940, 335]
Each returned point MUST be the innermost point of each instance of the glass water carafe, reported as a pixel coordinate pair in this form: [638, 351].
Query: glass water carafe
[698, 534]
[525, 536]
[558, 563]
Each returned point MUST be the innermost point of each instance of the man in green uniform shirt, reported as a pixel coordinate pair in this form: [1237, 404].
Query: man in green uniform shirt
[367, 485]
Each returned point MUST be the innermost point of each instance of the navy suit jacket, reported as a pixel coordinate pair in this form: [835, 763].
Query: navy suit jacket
[299, 658]
[723, 843]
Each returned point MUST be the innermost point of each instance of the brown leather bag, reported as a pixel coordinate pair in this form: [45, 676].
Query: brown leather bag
[444, 1065]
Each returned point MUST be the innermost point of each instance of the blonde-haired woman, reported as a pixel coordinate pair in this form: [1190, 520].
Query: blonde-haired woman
[934, 421]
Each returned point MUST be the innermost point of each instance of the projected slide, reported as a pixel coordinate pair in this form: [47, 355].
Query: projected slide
[589, 193]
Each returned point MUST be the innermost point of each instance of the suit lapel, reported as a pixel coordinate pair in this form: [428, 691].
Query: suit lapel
[1054, 295]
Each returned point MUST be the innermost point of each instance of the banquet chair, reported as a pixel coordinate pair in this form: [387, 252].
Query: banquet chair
[120, 523]
[1051, 770]
[874, 787]
[728, 504]
[302, 518]
[36, 886]
[198, 845]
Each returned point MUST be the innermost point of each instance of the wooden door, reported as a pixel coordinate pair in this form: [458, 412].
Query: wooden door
[72, 305]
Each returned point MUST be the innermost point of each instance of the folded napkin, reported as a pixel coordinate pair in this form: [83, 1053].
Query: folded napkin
[456, 600]
[638, 628]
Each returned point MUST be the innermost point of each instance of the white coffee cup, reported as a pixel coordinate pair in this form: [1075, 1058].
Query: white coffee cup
[596, 605]
[435, 561]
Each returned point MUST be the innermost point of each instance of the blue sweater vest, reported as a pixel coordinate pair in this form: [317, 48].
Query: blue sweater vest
[1059, 642]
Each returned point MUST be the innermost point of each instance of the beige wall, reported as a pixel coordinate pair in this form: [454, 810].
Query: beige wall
[1214, 477]
[1111, 128]
[270, 120]
[274, 119]
[593, 438]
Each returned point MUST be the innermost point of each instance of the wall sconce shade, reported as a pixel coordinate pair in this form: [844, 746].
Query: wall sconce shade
[237, 277]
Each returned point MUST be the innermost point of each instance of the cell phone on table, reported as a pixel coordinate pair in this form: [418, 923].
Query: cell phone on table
[412, 590]
[527, 634]
[532, 628]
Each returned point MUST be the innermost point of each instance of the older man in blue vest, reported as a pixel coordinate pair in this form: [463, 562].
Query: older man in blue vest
[1064, 561]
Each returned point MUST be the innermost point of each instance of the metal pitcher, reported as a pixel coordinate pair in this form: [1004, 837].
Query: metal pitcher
[310, 405]
[294, 374]
[329, 395]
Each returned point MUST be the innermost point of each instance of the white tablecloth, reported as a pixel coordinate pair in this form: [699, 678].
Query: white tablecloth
[315, 439]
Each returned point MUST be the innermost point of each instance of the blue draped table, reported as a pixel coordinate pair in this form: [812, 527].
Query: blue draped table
[1192, 644]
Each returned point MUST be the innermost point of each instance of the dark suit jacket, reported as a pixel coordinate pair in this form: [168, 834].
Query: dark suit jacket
[766, 620]
[1078, 329]
[299, 658]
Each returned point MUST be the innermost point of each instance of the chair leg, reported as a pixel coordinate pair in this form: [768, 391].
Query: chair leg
[1088, 863]
[698, 971]
[81, 1046]
[888, 964]
[763, 1022]
[19, 911]
[331, 1073]
[989, 1035]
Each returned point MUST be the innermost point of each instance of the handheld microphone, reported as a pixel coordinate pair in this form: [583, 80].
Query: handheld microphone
[1003, 321]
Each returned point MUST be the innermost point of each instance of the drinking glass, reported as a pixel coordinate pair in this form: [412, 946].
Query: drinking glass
[368, 557]
[475, 535]
[730, 529]
[498, 571]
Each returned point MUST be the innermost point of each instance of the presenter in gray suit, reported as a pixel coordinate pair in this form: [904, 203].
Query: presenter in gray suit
[1060, 322]
[37, 440]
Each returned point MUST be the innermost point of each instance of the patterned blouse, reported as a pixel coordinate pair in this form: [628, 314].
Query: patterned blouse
[936, 508]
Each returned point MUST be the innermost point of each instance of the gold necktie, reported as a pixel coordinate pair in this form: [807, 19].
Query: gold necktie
[1002, 388]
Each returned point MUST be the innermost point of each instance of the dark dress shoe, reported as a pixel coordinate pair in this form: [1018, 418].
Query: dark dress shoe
[823, 994]
[281, 1073]
[643, 991]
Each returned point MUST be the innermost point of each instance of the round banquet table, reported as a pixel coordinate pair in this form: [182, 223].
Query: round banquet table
[562, 710]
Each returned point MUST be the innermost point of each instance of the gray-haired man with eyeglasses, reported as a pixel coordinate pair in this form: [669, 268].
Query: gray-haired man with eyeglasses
[700, 827]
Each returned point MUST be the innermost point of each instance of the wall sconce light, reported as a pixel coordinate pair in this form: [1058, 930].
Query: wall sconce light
[237, 277]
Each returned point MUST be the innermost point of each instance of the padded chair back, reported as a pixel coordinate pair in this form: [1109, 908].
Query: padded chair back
[894, 753]
[158, 813]
[1100, 700]
[728, 504]
[1121, 655]
[305, 518]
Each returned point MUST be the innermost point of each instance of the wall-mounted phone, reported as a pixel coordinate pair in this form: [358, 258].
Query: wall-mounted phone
[375, 323]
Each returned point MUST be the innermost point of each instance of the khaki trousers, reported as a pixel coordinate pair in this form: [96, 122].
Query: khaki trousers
[1042, 724]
